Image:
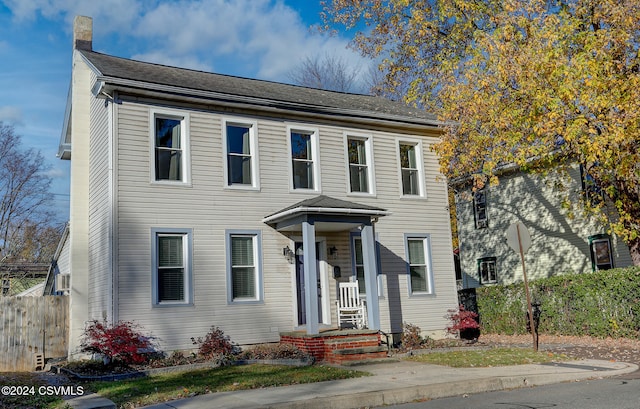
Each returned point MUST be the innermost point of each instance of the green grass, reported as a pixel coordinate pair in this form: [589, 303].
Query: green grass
[29, 399]
[487, 357]
[160, 388]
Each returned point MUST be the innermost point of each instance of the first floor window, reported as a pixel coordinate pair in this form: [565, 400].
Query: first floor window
[358, 264]
[487, 270]
[601, 255]
[418, 260]
[172, 267]
[244, 266]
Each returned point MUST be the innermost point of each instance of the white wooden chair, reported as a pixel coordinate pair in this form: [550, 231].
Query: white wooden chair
[350, 308]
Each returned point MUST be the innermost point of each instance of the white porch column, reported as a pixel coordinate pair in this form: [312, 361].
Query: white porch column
[370, 276]
[310, 277]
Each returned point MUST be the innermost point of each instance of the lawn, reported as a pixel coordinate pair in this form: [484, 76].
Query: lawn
[161, 388]
[25, 392]
[488, 357]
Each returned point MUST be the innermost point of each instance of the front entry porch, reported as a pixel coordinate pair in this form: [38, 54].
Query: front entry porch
[339, 346]
[301, 222]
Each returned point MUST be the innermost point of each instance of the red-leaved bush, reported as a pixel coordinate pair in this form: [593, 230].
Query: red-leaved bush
[214, 344]
[461, 320]
[122, 342]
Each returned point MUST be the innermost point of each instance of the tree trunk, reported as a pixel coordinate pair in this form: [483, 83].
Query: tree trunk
[634, 249]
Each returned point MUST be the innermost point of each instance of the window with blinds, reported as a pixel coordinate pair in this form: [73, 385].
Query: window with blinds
[419, 264]
[244, 265]
[171, 268]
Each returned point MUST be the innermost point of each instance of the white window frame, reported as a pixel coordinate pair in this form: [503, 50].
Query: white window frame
[368, 145]
[257, 259]
[488, 261]
[254, 154]
[355, 237]
[187, 248]
[185, 162]
[426, 242]
[315, 155]
[420, 167]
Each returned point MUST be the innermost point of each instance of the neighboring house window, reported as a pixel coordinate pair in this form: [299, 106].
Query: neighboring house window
[304, 159]
[601, 254]
[418, 253]
[360, 159]
[590, 188]
[241, 150]
[170, 147]
[6, 286]
[410, 155]
[480, 209]
[172, 266]
[487, 270]
[244, 268]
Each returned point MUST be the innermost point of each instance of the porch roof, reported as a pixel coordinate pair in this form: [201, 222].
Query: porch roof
[331, 213]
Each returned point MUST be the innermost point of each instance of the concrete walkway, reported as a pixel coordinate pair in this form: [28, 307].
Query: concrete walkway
[392, 383]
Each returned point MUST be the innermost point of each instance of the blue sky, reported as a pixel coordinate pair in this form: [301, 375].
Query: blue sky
[251, 38]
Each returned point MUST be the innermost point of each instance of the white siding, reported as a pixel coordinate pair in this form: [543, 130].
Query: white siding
[209, 209]
[559, 242]
[100, 278]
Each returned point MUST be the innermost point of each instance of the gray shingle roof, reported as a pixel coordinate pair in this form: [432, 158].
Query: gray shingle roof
[326, 204]
[114, 68]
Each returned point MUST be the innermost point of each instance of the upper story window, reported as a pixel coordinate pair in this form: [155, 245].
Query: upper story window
[360, 162]
[418, 253]
[241, 154]
[305, 160]
[590, 189]
[480, 209]
[487, 270]
[410, 155]
[171, 266]
[170, 147]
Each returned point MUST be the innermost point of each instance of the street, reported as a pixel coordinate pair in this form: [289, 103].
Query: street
[613, 393]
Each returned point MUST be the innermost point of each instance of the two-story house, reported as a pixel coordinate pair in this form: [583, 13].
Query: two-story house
[564, 239]
[200, 199]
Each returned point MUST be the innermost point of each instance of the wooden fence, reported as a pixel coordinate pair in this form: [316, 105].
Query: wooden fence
[32, 327]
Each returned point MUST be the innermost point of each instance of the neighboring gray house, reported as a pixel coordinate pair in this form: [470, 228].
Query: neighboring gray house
[564, 240]
[200, 199]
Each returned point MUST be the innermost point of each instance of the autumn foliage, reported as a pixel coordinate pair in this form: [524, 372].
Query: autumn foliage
[121, 342]
[526, 83]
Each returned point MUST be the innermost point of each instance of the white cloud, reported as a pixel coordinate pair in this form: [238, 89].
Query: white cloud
[57, 173]
[10, 114]
[259, 38]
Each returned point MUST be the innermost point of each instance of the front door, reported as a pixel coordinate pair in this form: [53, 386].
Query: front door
[301, 288]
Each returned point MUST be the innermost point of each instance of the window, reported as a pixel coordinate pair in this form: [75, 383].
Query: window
[171, 266]
[360, 162]
[487, 270]
[480, 209]
[304, 160]
[590, 188]
[244, 266]
[601, 255]
[170, 149]
[6, 286]
[418, 253]
[240, 146]
[410, 155]
[358, 262]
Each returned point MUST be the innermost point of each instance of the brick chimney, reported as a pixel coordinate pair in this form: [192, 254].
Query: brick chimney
[83, 33]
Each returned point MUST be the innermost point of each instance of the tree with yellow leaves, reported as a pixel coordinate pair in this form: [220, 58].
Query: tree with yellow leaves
[527, 82]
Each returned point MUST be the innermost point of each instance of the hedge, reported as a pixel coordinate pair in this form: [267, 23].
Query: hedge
[600, 304]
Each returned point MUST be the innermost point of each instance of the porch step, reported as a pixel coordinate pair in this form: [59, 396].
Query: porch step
[360, 351]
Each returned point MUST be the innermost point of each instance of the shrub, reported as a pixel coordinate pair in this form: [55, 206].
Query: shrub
[121, 342]
[463, 323]
[275, 351]
[214, 345]
[411, 338]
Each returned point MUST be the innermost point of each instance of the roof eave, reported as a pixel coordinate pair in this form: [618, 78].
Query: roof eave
[115, 83]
